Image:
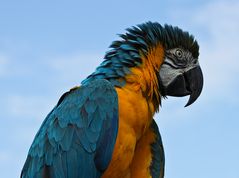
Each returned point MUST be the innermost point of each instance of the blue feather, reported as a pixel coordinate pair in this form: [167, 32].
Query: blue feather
[70, 137]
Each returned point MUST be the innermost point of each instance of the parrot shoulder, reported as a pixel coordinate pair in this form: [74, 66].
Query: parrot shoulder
[78, 136]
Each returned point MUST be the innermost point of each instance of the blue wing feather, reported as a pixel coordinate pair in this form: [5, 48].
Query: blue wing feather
[78, 136]
[157, 150]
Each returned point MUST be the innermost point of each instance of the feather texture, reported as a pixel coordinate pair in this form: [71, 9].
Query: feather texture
[158, 162]
[77, 138]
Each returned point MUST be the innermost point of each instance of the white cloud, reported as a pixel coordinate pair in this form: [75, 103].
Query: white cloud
[4, 157]
[3, 65]
[76, 66]
[28, 107]
[221, 19]
[219, 52]
[66, 71]
[15, 66]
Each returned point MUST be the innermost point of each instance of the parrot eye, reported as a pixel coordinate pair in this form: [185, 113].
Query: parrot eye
[179, 53]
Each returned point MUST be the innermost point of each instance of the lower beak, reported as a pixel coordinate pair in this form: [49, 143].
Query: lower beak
[188, 83]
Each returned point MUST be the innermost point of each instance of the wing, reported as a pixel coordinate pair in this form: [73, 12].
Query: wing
[158, 161]
[78, 136]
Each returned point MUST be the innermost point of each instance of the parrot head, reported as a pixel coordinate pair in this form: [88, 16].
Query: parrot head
[181, 75]
[160, 60]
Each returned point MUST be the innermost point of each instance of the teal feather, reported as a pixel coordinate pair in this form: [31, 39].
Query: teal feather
[128, 47]
[75, 128]
[57, 167]
[158, 160]
[67, 139]
[120, 72]
[142, 42]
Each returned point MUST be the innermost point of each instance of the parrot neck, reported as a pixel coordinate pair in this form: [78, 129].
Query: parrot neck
[144, 78]
[135, 70]
[135, 61]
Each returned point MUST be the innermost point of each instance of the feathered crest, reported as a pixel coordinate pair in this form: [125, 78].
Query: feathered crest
[137, 41]
[150, 34]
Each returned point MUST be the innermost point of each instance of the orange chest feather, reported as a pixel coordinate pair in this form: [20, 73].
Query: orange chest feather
[134, 118]
[134, 111]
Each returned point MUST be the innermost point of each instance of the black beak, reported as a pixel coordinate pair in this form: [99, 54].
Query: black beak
[188, 83]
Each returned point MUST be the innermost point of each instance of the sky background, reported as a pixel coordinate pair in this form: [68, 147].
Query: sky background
[47, 47]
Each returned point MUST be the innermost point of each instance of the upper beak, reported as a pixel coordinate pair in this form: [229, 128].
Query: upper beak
[188, 83]
[194, 78]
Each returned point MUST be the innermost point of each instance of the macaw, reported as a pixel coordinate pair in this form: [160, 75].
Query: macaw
[105, 127]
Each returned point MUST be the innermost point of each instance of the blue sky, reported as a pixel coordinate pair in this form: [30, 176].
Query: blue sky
[48, 47]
